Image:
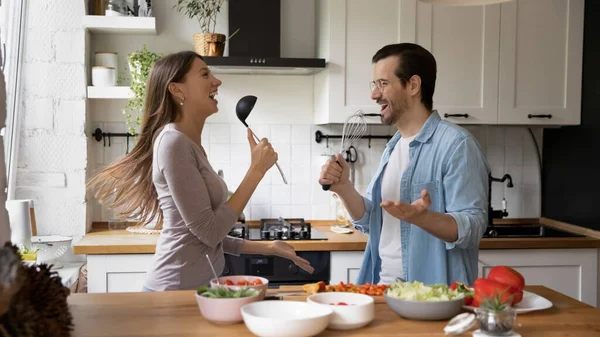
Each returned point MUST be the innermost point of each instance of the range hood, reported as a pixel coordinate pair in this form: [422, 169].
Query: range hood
[256, 47]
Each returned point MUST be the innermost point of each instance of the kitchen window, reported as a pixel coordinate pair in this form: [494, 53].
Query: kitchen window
[12, 31]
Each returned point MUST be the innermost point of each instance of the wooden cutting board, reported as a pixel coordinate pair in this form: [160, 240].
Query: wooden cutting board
[298, 289]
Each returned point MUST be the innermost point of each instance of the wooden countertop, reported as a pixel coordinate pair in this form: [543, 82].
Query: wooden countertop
[104, 241]
[101, 240]
[176, 313]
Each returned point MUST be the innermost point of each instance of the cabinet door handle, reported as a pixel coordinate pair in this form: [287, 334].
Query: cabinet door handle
[539, 116]
[456, 115]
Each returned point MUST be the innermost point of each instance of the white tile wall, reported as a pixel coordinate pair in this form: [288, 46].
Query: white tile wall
[508, 149]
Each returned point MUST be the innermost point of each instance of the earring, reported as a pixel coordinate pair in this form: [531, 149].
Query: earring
[180, 103]
[182, 100]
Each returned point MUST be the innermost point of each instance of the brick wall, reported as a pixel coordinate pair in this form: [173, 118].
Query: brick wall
[53, 151]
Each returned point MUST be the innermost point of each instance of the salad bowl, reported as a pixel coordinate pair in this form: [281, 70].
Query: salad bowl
[222, 305]
[418, 301]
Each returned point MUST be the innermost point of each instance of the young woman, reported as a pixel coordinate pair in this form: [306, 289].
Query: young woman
[167, 176]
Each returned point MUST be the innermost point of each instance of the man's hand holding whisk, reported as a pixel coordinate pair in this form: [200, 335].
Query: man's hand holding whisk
[336, 172]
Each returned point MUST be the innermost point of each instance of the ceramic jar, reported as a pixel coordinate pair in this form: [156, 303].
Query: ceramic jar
[104, 76]
[106, 59]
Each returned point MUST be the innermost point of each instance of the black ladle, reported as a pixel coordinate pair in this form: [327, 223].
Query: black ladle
[242, 109]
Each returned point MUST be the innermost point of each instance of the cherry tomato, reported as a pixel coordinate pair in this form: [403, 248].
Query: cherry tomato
[228, 282]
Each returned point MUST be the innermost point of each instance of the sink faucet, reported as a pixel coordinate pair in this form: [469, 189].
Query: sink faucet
[492, 213]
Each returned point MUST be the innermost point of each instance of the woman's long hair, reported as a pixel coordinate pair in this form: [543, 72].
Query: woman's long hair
[127, 184]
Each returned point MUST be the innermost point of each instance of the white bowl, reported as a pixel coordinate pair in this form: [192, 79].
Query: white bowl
[425, 310]
[359, 312]
[223, 310]
[52, 248]
[286, 318]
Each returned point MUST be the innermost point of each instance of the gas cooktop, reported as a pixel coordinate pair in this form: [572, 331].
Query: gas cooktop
[278, 229]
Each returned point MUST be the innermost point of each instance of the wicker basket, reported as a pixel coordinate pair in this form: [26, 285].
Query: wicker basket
[208, 44]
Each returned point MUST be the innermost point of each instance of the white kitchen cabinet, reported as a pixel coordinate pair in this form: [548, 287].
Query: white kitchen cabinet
[511, 63]
[117, 273]
[349, 33]
[572, 272]
[465, 42]
[541, 47]
[345, 266]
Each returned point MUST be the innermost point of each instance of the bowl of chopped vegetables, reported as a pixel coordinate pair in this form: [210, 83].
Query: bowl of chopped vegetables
[418, 301]
[242, 281]
[222, 305]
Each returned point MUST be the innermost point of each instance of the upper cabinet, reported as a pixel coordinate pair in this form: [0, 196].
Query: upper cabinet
[465, 43]
[349, 33]
[512, 63]
[541, 47]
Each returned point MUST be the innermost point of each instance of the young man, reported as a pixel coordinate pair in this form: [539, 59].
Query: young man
[426, 208]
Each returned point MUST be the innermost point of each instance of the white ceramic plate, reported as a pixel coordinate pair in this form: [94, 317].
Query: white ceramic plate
[530, 302]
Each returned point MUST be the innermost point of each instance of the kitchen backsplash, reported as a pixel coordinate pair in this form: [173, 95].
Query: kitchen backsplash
[508, 149]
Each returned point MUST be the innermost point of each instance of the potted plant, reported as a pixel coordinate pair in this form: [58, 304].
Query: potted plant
[495, 315]
[206, 43]
[140, 63]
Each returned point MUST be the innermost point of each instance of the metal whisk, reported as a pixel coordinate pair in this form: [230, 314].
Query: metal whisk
[354, 128]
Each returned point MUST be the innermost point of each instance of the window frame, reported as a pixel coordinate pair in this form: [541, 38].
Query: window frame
[13, 13]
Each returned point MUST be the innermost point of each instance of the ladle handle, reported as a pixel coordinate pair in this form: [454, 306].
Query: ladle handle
[276, 163]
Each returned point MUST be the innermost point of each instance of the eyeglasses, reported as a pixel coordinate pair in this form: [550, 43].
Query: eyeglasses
[380, 84]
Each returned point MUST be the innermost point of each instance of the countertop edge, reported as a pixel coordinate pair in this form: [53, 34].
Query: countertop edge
[591, 240]
[570, 228]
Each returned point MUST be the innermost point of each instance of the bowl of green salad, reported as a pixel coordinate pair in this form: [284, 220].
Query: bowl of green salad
[222, 305]
[417, 301]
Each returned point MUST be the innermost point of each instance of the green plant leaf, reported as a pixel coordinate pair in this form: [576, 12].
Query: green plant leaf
[140, 63]
[205, 11]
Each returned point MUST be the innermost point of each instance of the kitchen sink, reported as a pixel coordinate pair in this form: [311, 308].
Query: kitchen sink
[526, 231]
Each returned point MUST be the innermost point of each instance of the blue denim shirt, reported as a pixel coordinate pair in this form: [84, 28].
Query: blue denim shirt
[447, 161]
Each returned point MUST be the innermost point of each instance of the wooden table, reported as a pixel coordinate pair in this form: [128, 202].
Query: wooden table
[176, 314]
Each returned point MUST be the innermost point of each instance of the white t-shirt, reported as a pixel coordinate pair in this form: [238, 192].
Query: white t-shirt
[390, 247]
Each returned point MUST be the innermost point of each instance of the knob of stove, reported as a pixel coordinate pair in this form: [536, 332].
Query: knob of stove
[292, 268]
[278, 235]
[265, 235]
[304, 234]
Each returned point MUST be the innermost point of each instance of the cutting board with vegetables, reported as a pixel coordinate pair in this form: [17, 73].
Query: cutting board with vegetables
[298, 293]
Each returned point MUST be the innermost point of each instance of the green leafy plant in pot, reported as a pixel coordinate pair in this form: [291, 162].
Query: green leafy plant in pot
[140, 63]
[206, 43]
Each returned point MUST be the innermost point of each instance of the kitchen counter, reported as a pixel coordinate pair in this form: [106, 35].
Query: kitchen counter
[104, 241]
[101, 240]
[177, 314]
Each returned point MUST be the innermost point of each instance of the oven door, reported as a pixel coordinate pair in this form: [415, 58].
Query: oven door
[280, 271]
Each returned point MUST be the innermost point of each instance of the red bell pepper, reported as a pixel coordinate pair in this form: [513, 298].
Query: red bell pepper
[485, 288]
[508, 276]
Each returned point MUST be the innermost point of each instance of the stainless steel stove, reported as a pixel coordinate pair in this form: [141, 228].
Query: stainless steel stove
[278, 229]
[277, 270]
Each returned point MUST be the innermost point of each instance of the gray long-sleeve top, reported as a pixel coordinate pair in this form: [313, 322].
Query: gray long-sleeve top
[196, 219]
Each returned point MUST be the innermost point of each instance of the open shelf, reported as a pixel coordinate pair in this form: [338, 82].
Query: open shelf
[108, 92]
[99, 24]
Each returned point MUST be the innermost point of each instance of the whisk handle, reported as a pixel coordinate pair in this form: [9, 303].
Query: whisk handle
[326, 187]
